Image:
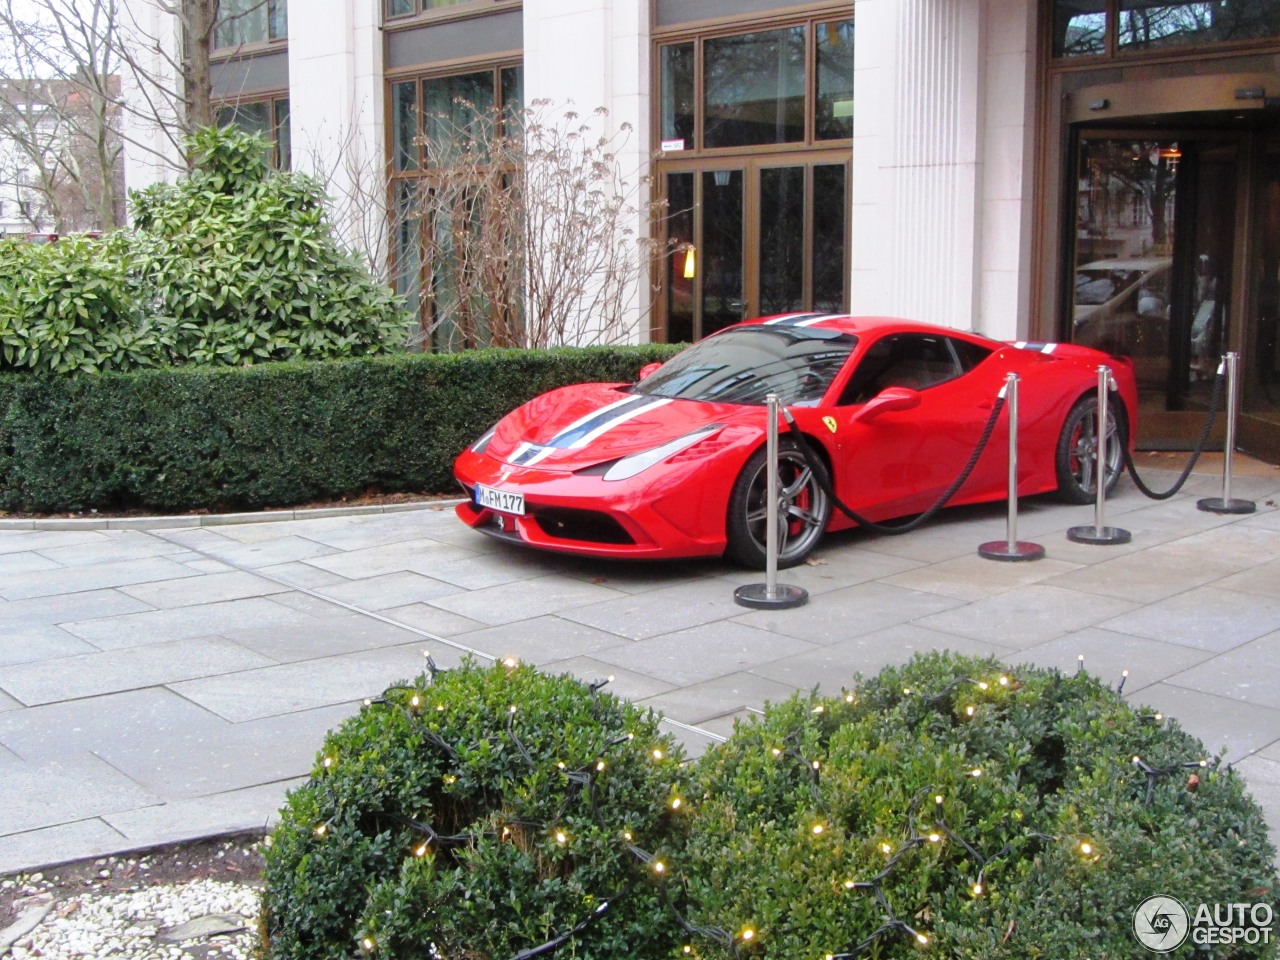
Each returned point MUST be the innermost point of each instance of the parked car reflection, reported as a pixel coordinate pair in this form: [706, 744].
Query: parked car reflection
[1121, 306]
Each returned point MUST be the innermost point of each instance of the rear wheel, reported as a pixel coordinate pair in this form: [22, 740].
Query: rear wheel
[803, 508]
[1077, 454]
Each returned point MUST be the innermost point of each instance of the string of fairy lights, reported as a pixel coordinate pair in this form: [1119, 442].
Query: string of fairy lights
[585, 776]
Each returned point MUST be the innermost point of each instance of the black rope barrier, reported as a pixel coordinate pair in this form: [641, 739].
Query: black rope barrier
[1214, 401]
[916, 522]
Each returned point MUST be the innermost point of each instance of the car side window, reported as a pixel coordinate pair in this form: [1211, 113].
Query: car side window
[909, 360]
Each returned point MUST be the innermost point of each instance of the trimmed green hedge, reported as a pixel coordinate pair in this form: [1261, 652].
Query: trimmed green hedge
[273, 434]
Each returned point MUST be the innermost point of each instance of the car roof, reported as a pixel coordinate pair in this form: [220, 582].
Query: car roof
[860, 325]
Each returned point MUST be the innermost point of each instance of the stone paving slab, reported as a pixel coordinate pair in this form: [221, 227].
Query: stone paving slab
[297, 619]
[72, 787]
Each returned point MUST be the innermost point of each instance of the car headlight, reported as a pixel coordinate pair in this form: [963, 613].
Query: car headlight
[479, 445]
[628, 467]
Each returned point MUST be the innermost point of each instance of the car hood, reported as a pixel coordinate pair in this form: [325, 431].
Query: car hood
[587, 424]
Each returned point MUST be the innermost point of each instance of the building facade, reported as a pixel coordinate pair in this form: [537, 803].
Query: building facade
[1097, 171]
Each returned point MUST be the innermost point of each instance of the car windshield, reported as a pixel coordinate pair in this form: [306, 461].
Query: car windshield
[746, 364]
[1094, 286]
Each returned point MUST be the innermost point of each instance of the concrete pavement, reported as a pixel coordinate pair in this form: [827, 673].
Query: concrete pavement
[167, 679]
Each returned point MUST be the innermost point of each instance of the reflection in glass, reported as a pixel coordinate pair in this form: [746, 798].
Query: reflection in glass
[781, 239]
[512, 81]
[284, 142]
[677, 93]
[799, 364]
[834, 108]
[407, 271]
[452, 111]
[1146, 24]
[399, 8]
[754, 88]
[681, 273]
[1124, 253]
[250, 21]
[404, 121]
[1262, 376]
[723, 302]
[1079, 27]
[250, 117]
[829, 185]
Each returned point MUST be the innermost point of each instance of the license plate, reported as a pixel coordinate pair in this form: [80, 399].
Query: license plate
[504, 501]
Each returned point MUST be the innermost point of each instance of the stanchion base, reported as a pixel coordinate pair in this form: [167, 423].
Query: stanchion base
[756, 595]
[1218, 505]
[1011, 552]
[1098, 535]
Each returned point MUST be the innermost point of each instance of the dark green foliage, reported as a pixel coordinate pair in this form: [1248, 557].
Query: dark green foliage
[352, 870]
[269, 435]
[230, 266]
[1056, 761]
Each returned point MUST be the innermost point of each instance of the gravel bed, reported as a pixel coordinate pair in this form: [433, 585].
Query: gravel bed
[198, 902]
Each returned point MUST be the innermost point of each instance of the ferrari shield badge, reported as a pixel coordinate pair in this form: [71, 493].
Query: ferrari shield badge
[830, 422]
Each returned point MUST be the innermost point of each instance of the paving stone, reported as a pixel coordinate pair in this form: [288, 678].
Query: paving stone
[1263, 579]
[833, 667]
[141, 720]
[72, 787]
[853, 611]
[417, 556]
[1240, 728]
[724, 726]
[701, 653]
[718, 697]
[1247, 673]
[695, 741]
[67, 608]
[131, 668]
[247, 810]
[1235, 545]
[663, 610]
[528, 598]
[309, 684]
[38, 849]
[209, 588]
[433, 620]
[625, 683]
[1263, 779]
[641, 576]
[1145, 576]
[19, 541]
[368, 530]
[1209, 618]
[389, 590]
[271, 552]
[97, 576]
[300, 574]
[1108, 654]
[157, 626]
[831, 569]
[12, 564]
[112, 547]
[544, 640]
[7, 703]
[241, 755]
[313, 638]
[40, 641]
[1027, 616]
[974, 578]
[475, 572]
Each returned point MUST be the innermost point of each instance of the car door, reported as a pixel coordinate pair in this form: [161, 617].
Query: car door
[897, 458]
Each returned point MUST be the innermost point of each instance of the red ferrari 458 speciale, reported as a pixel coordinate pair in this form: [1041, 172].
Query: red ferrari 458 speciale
[890, 410]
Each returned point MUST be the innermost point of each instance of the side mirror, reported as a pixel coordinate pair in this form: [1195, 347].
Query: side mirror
[886, 401]
[647, 369]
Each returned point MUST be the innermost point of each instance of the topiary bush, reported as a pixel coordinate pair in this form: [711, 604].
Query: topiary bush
[983, 813]
[476, 814]
[232, 265]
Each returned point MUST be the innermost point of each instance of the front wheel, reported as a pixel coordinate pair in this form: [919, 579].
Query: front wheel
[1077, 454]
[803, 508]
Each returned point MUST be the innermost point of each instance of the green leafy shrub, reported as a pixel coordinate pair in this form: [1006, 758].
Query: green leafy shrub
[821, 831]
[232, 265]
[440, 822]
[270, 435]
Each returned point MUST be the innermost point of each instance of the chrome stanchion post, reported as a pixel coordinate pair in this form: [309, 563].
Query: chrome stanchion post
[1099, 532]
[1011, 549]
[771, 594]
[1225, 503]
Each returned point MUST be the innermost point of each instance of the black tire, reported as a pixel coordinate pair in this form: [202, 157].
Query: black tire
[804, 508]
[1078, 450]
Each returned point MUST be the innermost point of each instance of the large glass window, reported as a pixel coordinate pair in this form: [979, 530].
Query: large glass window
[268, 119]
[250, 21]
[407, 8]
[754, 88]
[833, 109]
[1081, 27]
